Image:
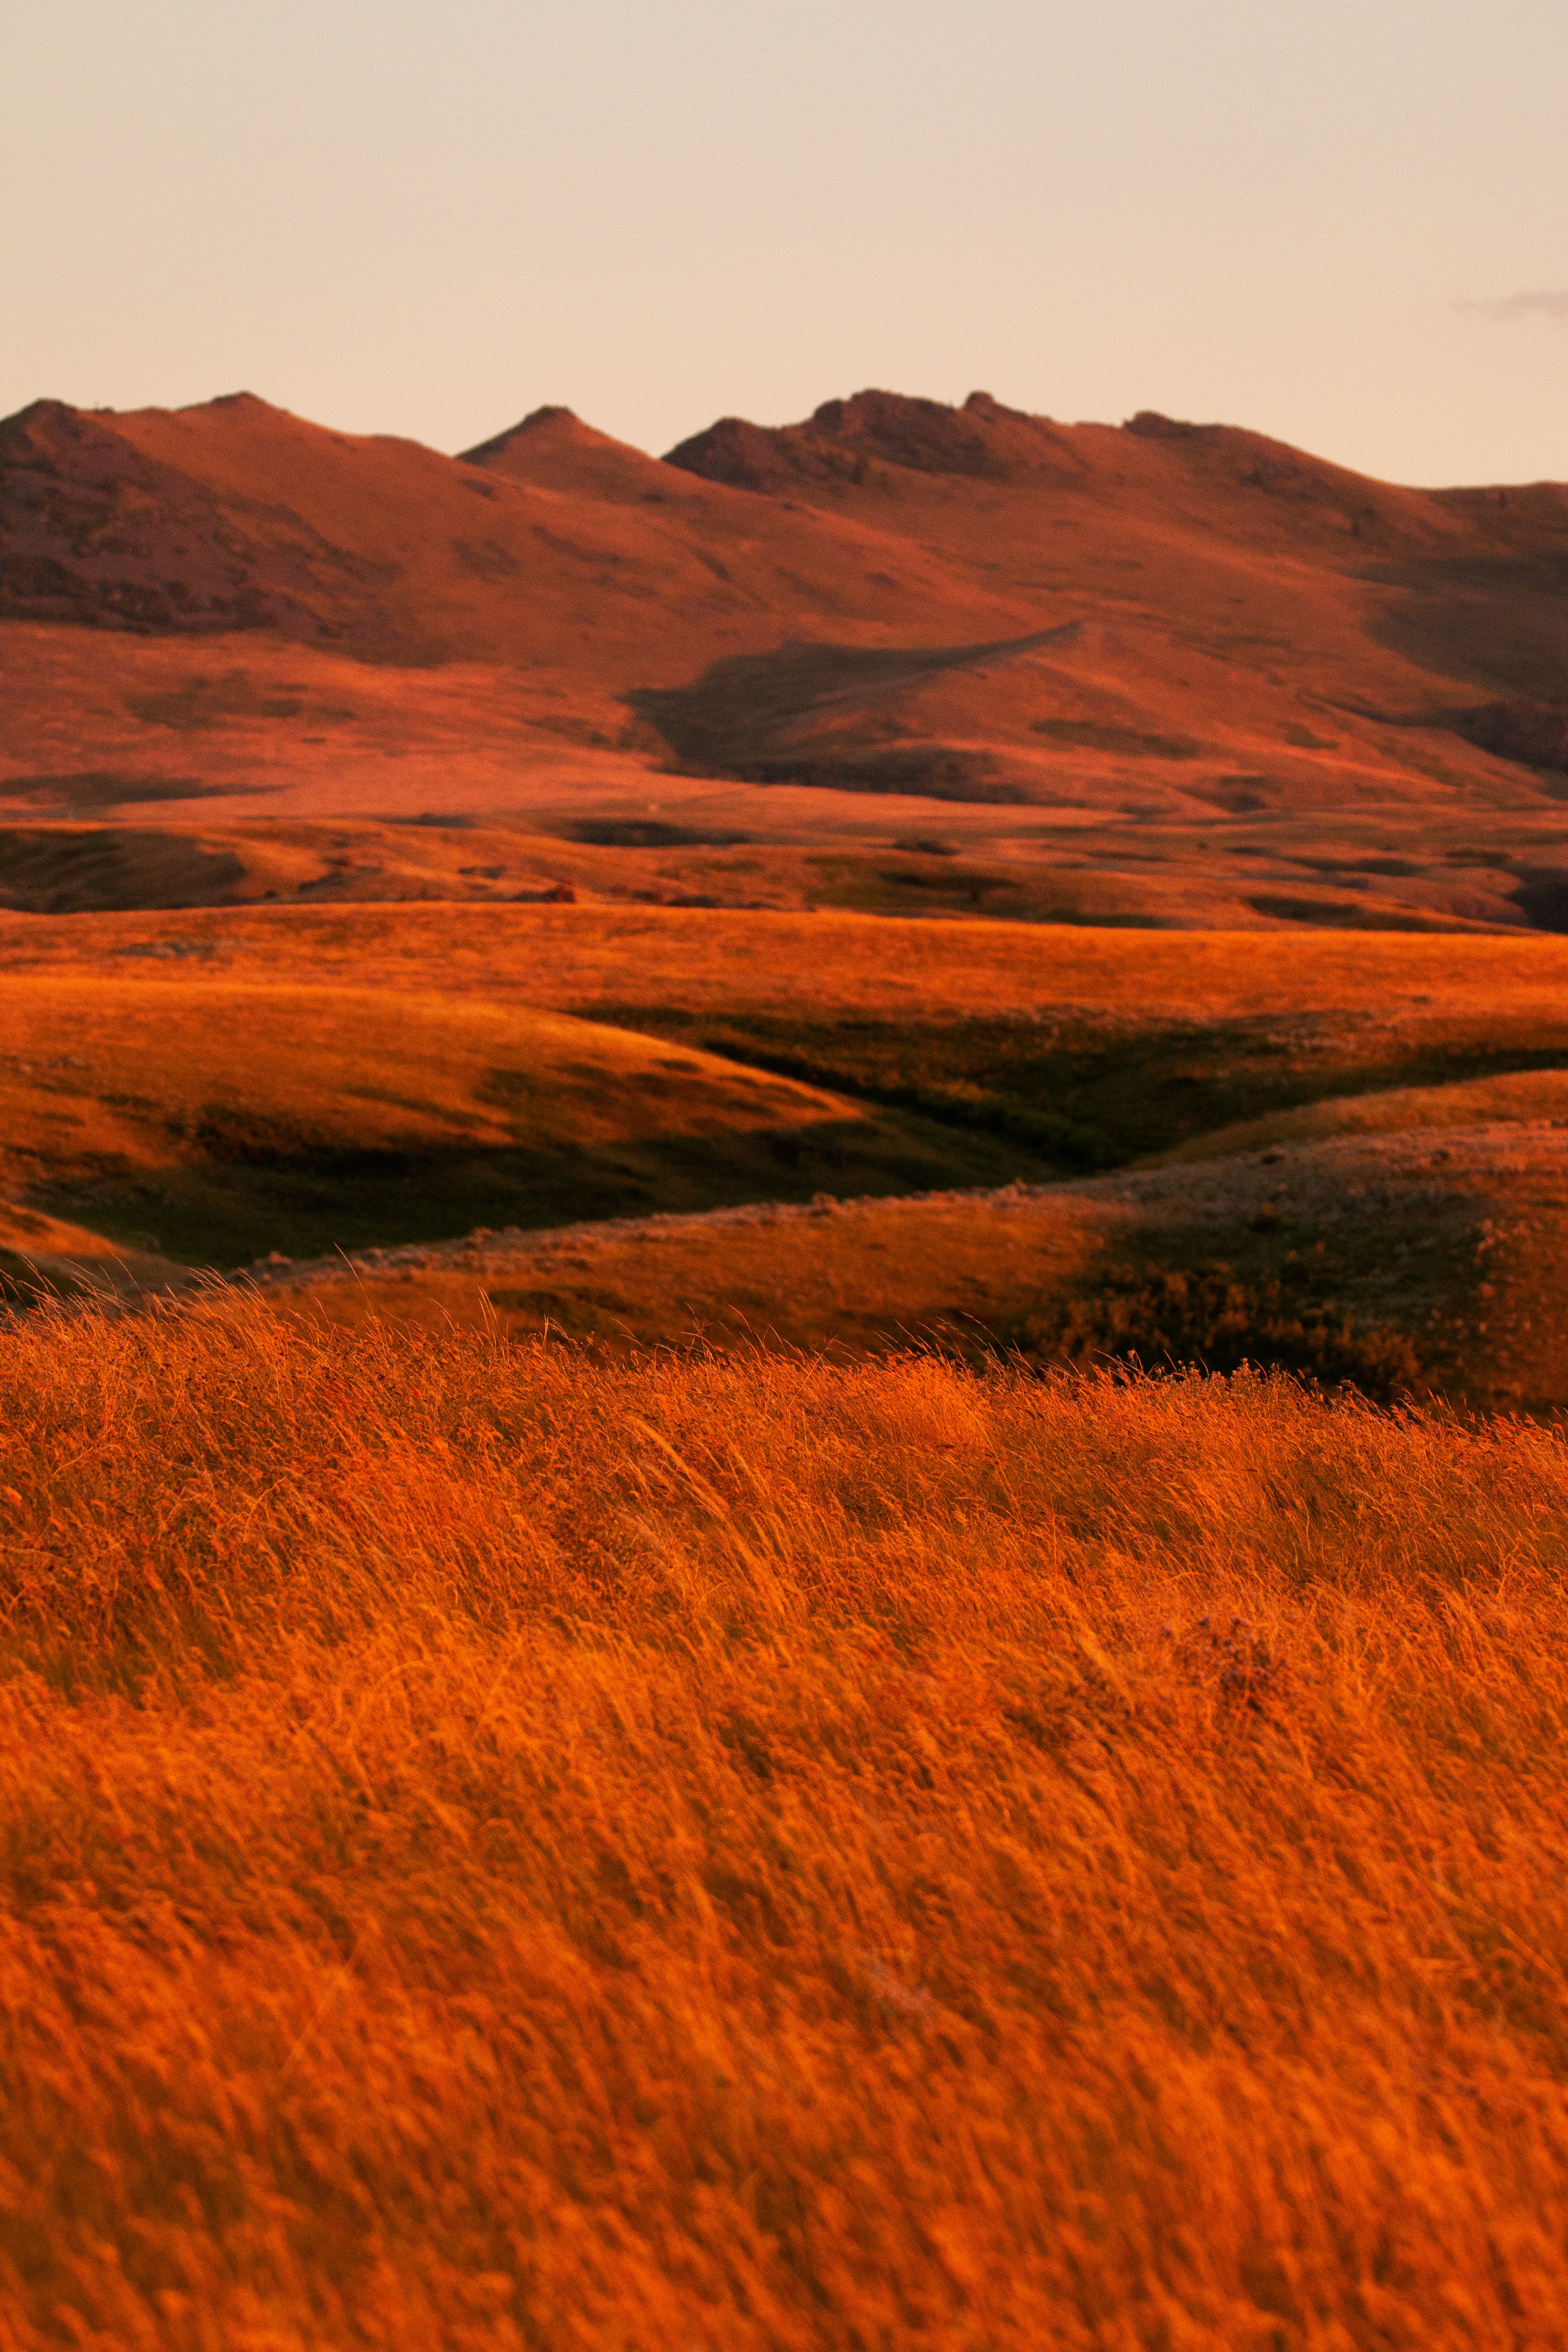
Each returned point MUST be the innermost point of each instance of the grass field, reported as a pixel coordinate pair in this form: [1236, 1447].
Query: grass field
[668, 1783]
[214, 1089]
[863, 1278]
[1077, 1048]
[715, 960]
[215, 1121]
[1409, 1258]
[761, 1856]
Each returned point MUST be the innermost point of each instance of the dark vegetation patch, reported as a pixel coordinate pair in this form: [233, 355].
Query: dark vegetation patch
[1542, 899]
[649, 833]
[1077, 1095]
[974, 882]
[567, 730]
[1386, 1300]
[45, 872]
[238, 1191]
[945, 885]
[101, 788]
[1343, 914]
[1535, 734]
[1237, 796]
[1100, 735]
[203, 702]
[1303, 739]
[1212, 1316]
[933, 772]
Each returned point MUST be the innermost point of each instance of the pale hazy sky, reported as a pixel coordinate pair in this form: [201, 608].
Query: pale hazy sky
[1344, 222]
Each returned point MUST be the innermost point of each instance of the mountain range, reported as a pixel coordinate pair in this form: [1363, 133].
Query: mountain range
[1097, 650]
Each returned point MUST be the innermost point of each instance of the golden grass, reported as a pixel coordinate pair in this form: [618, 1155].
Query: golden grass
[91, 1067]
[214, 1120]
[1136, 1040]
[1525, 1097]
[210, 1086]
[1453, 1237]
[753, 1855]
[718, 961]
[875, 1275]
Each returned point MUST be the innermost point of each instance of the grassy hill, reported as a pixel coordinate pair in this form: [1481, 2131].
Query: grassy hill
[211, 1122]
[278, 1109]
[1415, 1260]
[535, 1757]
[1073, 1049]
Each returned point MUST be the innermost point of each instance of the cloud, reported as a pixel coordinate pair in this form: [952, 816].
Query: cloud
[1552, 303]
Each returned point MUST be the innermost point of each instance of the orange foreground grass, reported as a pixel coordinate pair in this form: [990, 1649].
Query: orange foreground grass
[752, 1854]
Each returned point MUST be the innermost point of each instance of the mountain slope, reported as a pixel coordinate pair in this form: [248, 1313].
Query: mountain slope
[1235, 683]
[1236, 573]
[236, 515]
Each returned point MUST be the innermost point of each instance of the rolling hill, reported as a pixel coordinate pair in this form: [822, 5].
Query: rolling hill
[1417, 1257]
[210, 1120]
[637, 1126]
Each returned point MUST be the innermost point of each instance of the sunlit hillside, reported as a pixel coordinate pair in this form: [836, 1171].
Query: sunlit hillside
[901, 654]
[767, 1855]
[212, 1122]
[1361, 1130]
[1416, 1261]
[1403, 994]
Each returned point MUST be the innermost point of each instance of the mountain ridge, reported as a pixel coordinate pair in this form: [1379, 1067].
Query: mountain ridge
[1130, 627]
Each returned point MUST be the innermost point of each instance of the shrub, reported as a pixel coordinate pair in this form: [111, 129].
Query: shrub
[1157, 1314]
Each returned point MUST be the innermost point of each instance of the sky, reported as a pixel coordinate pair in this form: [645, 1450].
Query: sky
[1341, 222]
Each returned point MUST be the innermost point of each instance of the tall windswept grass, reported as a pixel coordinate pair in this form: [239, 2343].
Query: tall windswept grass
[715, 1857]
